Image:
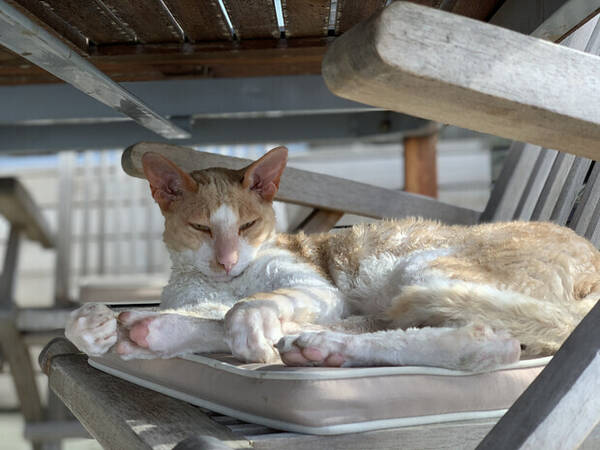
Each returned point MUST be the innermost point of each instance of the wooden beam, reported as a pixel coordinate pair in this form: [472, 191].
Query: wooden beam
[455, 70]
[420, 165]
[309, 189]
[119, 414]
[319, 221]
[34, 43]
[18, 207]
[561, 407]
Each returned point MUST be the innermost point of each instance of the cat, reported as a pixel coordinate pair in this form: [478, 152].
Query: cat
[398, 292]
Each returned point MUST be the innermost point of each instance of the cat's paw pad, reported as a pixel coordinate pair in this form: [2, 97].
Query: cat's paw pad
[482, 348]
[155, 332]
[251, 331]
[92, 328]
[325, 348]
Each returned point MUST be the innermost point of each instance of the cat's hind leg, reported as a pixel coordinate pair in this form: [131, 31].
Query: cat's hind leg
[472, 348]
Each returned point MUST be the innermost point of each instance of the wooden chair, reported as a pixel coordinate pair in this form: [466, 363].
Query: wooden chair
[25, 218]
[536, 184]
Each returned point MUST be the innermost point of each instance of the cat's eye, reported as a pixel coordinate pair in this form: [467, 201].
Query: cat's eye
[198, 227]
[248, 225]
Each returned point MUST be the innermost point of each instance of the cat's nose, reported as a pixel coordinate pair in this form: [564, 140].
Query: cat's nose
[228, 260]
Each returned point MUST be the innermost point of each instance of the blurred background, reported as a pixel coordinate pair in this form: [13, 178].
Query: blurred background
[82, 80]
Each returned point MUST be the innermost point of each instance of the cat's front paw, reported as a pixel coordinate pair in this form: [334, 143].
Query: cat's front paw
[479, 348]
[325, 348]
[92, 328]
[251, 331]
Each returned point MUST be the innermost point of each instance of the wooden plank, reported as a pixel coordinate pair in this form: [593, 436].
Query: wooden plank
[119, 414]
[306, 17]
[93, 20]
[319, 221]
[535, 184]
[571, 188]
[560, 407]
[19, 208]
[307, 188]
[249, 58]
[253, 19]
[42, 14]
[201, 20]
[561, 169]
[548, 19]
[518, 167]
[15, 352]
[582, 216]
[456, 70]
[448, 436]
[351, 12]
[149, 20]
[9, 269]
[420, 165]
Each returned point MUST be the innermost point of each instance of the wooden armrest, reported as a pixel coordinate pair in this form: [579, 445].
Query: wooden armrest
[20, 210]
[311, 189]
[119, 414]
[445, 67]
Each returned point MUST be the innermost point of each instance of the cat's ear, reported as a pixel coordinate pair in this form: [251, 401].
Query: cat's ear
[263, 175]
[167, 181]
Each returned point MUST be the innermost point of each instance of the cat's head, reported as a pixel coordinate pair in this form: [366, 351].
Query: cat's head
[216, 219]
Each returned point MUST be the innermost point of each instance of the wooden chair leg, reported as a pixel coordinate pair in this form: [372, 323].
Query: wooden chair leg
[420, 165]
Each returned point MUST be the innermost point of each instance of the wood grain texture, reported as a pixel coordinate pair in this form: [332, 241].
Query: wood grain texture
[16, 353]
[590, 201]
[307, 188]
[201, 20]
[93, 20]
[43, 15]
[148, 19]
[455, 70]
[570, 190]
[320, 221]
[253, 19]
[551, 391]
[535, 184]
[17, 206]
[306, 17]
[121, 415]
[351, 12]
[420, 165]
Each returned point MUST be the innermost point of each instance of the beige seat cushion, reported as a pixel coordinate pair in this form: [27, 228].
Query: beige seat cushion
[329, 400]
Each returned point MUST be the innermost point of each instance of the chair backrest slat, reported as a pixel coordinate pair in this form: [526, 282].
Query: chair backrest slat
[535, 184]
[511, 183]
[573, 184]
[583, 217]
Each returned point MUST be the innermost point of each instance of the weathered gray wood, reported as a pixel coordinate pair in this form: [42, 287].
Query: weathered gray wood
[571, 187]
[17, 206]
[535, 184]
[571, 378]
[546, 19]
[450, 436]
[310, 189]
[511, 183]
[17, 355]
[455, 70]
[584, 212]
[66, 168]
[119, 414]
[9, 269]
[319, 221]
[557, 177]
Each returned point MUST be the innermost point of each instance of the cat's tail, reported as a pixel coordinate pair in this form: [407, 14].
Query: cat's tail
[540, 326]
